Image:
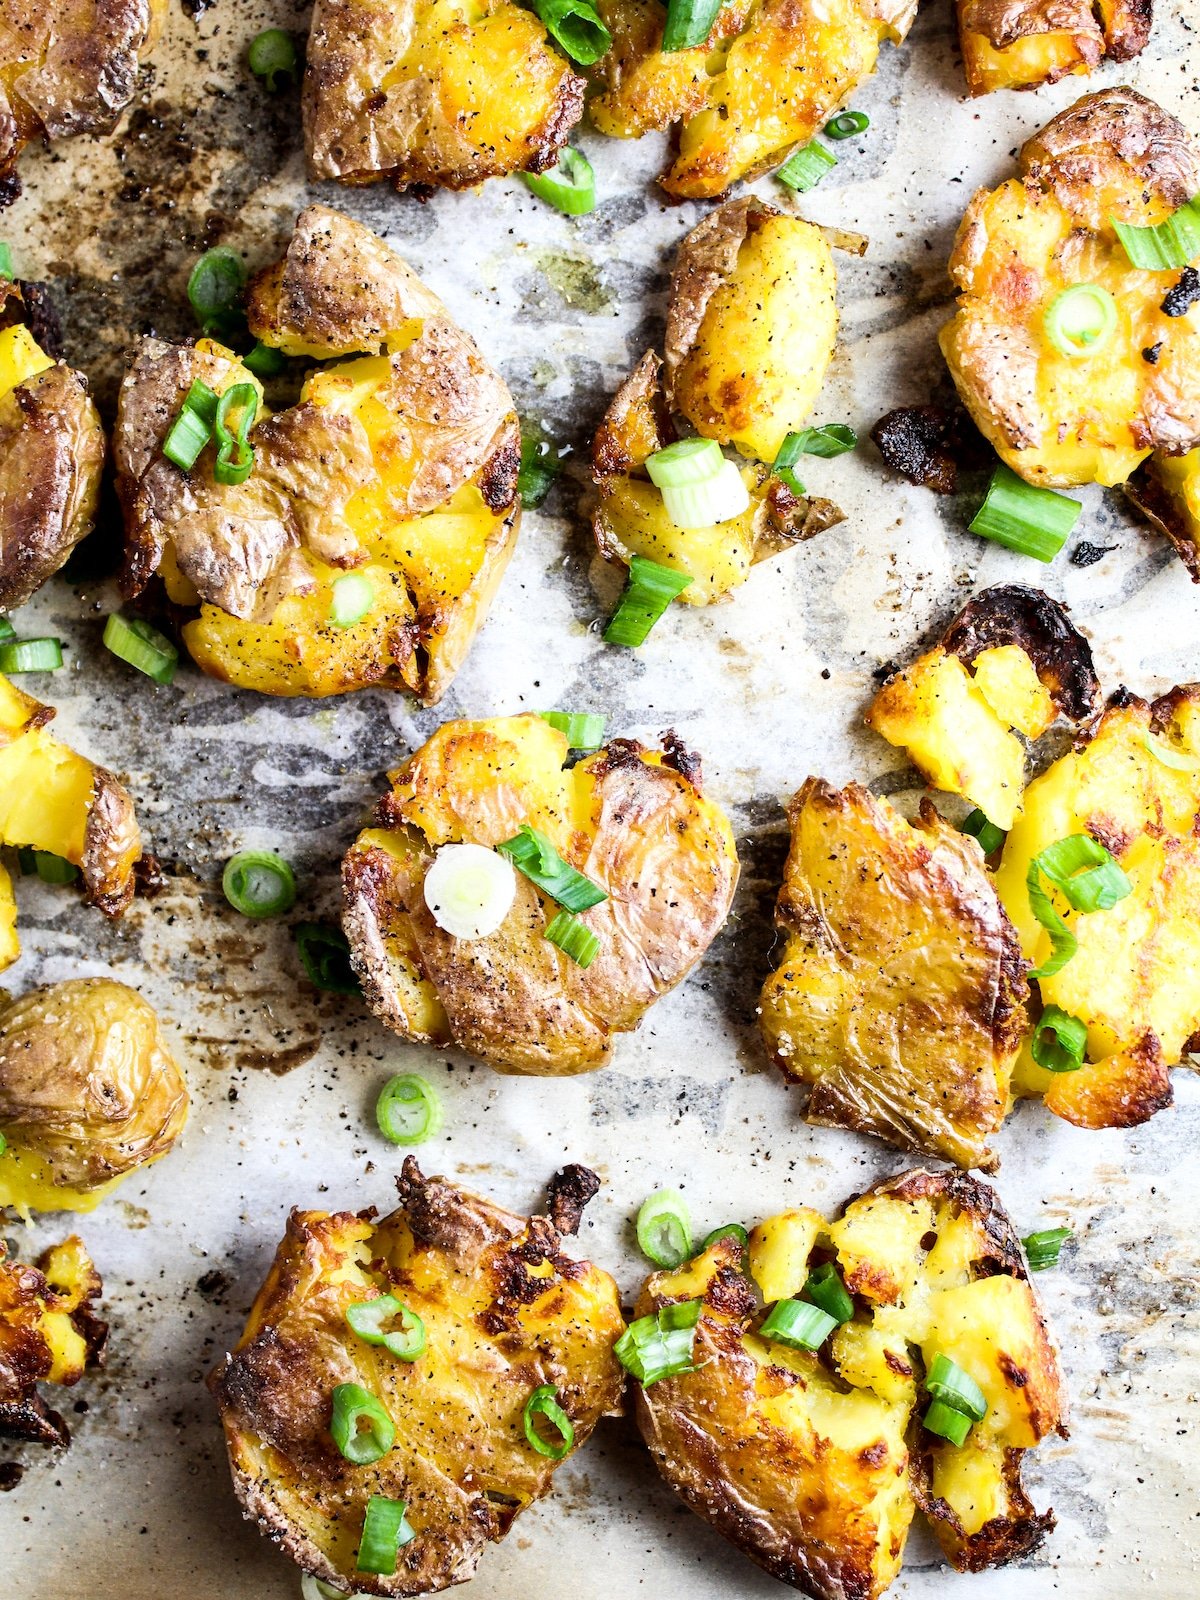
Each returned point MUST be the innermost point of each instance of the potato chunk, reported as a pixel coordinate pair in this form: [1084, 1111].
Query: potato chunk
[1019, 45]
[1166, 490]
[48, 1333]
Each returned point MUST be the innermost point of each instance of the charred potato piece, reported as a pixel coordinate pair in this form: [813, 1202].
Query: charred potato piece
[1018, 44]
[766, 79]
[48, 1334]
[89, 1092]
[632, 820]
[67, 68]
[1009, 663]
[505, 1310]
[751, 323]
[1166, 490]
[814, 1467]
[1057, 419]
[398, 464]
[899, 992]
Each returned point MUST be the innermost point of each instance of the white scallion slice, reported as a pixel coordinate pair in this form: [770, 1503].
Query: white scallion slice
[469, 890]
[702, 505]
[688, 461]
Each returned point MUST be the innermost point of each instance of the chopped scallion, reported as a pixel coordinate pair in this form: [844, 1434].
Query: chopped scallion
[30, 655]
[798, 1324]
[408, 1110]
[141, 646]
[271, 56]
[688, 24]
[215, 288]
[569, 186]
[1177, 760]
[366, 1318]
[1033, 522]
[7, 631]
[573, 938]
[385, 1532]
[540, 465]
[1042, 1249]
[351, 599]
[648, 593]
[664, 1229]
[804, 169]
[1166, 245]
[54, 869]
[576, 27]
[946, 1381]
[235, 453]
[846, 124]
[1059, 1041]
[989, 835]
[824, 1287]
[192, 428]
[1081, 320]
[324, 953]
[6, 261]
[830, 439]
[469, 890]
[947, 1423]
[533, 854]
[685, 463]
[360, 1425]
[583, 730]
[730, 1230]
[543, 1402]
[264, 361]
[259, 883]
[660, 1345]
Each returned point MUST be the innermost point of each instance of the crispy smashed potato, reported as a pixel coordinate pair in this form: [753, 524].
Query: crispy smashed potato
[766, 79]
[48, 1333]
[1058, 419]
[1166, 490]
[1018, 44]
[429, 94]
[899, 993]
[751, 323]
[505, 1310]
[632, 820]
[89, 1092]
[814, 1467]
[399, 464]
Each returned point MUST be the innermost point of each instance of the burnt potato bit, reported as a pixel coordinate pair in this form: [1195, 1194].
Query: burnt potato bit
[49, 1333]
[1166, 490]
[929, 445]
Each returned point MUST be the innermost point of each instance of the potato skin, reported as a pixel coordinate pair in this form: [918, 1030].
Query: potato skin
[1018, 44]
[48, 1332]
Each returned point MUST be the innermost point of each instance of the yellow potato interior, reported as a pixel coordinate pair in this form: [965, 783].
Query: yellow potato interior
[10, 945]
[1023, 64]
[717, 558]
[21, 357]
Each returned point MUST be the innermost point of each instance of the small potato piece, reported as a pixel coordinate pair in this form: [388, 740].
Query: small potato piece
[48, 1333]
[1018, 44]
[630, 819]
[89, 1092]
[1166, 490]
[505, 1310]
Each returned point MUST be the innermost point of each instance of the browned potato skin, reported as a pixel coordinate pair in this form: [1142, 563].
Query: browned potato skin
[32, 1349]
[497, 1329]
[1016, 614]
[1052, 38]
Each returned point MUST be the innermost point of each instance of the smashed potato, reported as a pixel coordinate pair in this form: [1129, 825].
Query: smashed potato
[631, 820]
[505, 1310]
[48, 1333]
[815, 1467]
[89, 1092]
[1018, 44]
[1166, 490]
[399, 465]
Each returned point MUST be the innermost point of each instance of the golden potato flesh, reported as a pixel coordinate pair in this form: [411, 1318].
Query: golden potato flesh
[631, 820]
[1059, 419]
[1017, 44]
[505, 1310]
[434, 92]
[48, 1334]
[398, 465]
[89, 1092]
[1166, 490]
[766, 79]
[899, 991]
[814, 1465]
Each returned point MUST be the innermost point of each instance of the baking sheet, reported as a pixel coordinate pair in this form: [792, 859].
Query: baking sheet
[769, 688]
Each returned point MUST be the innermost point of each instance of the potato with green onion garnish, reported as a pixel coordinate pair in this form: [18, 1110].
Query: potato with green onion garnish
[473, 1351]
[1018, 44]
[48, 1334]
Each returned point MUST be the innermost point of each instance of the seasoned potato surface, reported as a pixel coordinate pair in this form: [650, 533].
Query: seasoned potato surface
[48, 1334]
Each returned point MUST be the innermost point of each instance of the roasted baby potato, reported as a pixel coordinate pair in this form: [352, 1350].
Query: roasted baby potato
[1018, 44]
[1166, 490]
[428, 95]
[814, 1464]
[67, 68]
[399, 464]
[1009, 663]
[751, 323]
[631, 820]
[89, 1092]
[899, 994]
[1061, 419]
[766, 79]
[48, 1333]
[504, 1309]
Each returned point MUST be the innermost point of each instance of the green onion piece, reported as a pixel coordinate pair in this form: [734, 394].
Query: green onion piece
[235, 453]
[1032, 521]
[730, 1230]
[53, 869]
[367, 1317]
[648, 593]
[258, 883]
[143, 647]
[798, 1324]
[946, 1381]
[271, 56]
[584, 730]
[947, 1423]
[573, 938]
[385, 1532]
[1059, 1041]
[7, 631]
[804, 169]
[543, 1402]
[660, 1345]
[1099, 888]
[989, 835]
[3, 1140]
[215, 289]
[664, 1229]
[1042, 1249]
[31, 655]
[352, 598]
[408, 1110]
[27, 861]
[264, 361]
[324, 954]
[824, 1287]
[569, 186]
[830, 439]
[846, 124]
[192, 428]
[354, 1406]
[1063, 943]
[1169, 244]
[315, 1589]
[685, 463]
[532, 853]
[6, 260]
[576, 27]
[1081, 320]
[540, 465]
[1170, 757]
[688, 24]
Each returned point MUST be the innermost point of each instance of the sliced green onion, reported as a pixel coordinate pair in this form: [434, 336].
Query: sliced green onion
[846, 124]
[324, 953]
[54, 869]
[264, 361]
[947, 1423]
[584, 730]
[7, 631]
[543, 1402]
[31, 655]
[1169, 244]
[684, 463]
[576, 27]
[141, 646]
[660, 1345]
[573, 938]
[385, 1532]
[798, 1324]
[804, 169]
[1081, 320]
[6, 261]
[540, 465]
[1177, 760]
[688, 24]
[1059, 1041]
[258, 883]
[648, 592]
[3, 1140]
[235, 453]
[408, 1110]
[469, 890]
[1042, 1249]
[664, 1229]
[352, 598]
[1099, 888]
[215, 289]
[1032, 521]
[730, 1230]
[367, 1317]
[532, 854]
[192, 428]
[718, 499]
[824, 1287]
[946, 1381]
[27, 861]
[989, 835]
[354, 1406]
[1063, 943]
[830, 439]
[569, 186]
[271, 56]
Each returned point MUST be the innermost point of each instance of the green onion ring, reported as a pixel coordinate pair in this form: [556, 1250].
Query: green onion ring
[804, 169]
[1059, 1041]
[385, 1532]
[989, 835]
[1042, 1249]
[235, 453]
[1081, 320]
[649, 591]
[660, 1345]
[664, 1229]
[825, 1288]
[31, 655]
[133, 641]
[543, 1402]
[1167, 245]
[798, 1324]
[215, 287]
[259, 883]
[846, 124]
[576, 27]
[583, 730]
[1022, 517]
[271, 56]
[408, 1110]
[324, 953]
[946, 1381]
[729, 1230]
[947, 1423]
[534, 855]
[574, 938]
[352, 1406]
[569, 186]
[366, 1318]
